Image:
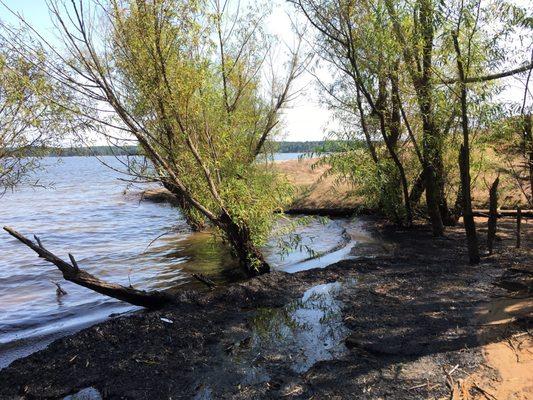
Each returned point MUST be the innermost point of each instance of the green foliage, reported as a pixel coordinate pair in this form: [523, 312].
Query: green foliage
[375, 184]
[254, 198]
[193, 96]
[30, 117]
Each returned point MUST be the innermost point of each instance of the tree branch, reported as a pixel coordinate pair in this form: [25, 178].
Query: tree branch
[72, 273]
[492, 77]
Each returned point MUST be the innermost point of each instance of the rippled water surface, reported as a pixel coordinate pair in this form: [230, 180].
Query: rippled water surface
[88, 211]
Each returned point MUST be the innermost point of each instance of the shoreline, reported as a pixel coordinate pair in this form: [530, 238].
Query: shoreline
[162, 195]
[408, 312]
[25, 344]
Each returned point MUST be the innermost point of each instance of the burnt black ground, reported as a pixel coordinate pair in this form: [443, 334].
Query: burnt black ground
[411, 314]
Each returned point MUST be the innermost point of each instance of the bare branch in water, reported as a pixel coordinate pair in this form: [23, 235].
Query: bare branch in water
[72, 273]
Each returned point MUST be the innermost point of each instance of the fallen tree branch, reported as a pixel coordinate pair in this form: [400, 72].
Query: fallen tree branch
[72, 272]
[502, 213]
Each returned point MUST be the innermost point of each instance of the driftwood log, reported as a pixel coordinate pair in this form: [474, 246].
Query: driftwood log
[72, 272]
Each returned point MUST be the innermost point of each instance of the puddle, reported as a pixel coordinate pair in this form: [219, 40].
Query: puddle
[89, 393]
[204, 393]
[341, 252]
[290, 339]
[323, 242]
[301, 334]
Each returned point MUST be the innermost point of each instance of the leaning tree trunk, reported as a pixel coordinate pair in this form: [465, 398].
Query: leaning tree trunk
[239, 237]
[250, 257]
[186, 209]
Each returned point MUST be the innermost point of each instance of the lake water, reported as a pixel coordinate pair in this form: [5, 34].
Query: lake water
[89, 212]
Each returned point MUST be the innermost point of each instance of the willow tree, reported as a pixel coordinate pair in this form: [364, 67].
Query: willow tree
[397, 58]
[194, 83]
[355, 45]
[436, 39]
[382, 55]
[29, 120]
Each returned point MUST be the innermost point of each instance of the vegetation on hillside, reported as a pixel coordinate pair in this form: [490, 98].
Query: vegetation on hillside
[272, 146]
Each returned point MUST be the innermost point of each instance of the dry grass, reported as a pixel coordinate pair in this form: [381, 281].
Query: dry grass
[315, 191]
[499, 164]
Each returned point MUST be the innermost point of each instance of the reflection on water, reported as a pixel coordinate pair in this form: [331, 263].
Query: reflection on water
[321, 242]
[110, 233]
[89, 393]
[278, 340]
[301, 334]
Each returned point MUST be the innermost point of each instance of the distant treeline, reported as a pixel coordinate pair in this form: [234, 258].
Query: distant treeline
[314, 146]
[89, 151]
[277, 147]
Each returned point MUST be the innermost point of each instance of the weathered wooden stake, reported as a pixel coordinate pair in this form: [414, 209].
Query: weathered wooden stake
[493, 214]
[518, 226]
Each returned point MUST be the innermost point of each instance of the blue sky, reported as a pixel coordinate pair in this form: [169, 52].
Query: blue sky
[35, 11]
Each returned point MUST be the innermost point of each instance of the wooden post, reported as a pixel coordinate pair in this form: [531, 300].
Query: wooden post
[518, 226]
[493, 214]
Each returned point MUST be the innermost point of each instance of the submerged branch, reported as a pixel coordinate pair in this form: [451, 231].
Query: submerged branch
[72, 273]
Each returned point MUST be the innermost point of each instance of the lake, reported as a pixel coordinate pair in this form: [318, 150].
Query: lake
[84, 208]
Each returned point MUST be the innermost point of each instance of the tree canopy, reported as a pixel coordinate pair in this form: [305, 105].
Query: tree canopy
[195, 84]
